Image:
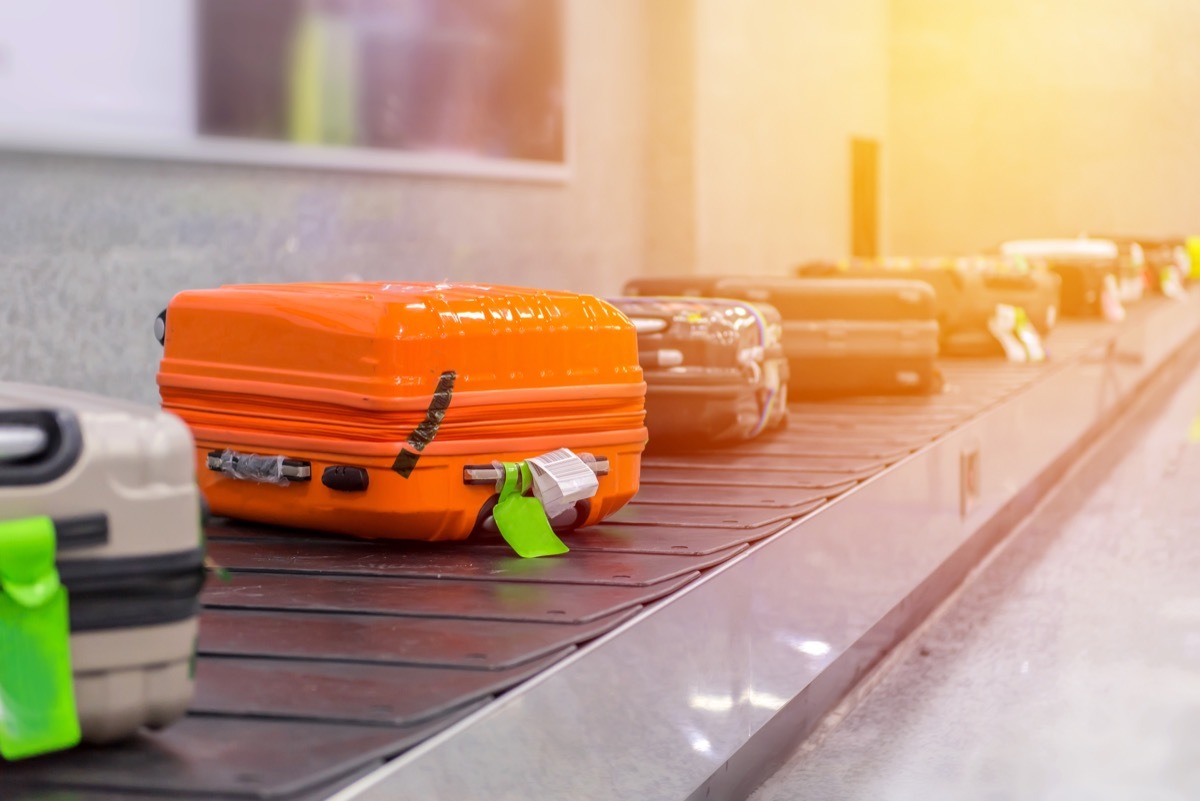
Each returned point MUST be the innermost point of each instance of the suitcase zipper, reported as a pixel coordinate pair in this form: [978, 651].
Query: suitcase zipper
[449, 431]
[269, 415]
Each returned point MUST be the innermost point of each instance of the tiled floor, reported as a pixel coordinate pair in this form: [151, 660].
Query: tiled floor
[1068, 668]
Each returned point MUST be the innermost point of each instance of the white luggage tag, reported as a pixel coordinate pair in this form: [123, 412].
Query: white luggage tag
[560, 480]
[1001, 324]
[1170, 284]
[1029, 337]
[1110, 300]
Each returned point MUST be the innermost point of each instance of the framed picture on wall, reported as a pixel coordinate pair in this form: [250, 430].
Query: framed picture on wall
[465, 87]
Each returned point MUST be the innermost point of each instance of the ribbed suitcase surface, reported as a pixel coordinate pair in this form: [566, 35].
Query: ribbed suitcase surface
[837, 299]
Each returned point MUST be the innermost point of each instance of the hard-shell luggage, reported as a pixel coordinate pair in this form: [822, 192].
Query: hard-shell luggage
[715, 369]
[383, 410]
[966, 291]
[104, 493]
[1095, 279]
[840, 335]
[851, 336]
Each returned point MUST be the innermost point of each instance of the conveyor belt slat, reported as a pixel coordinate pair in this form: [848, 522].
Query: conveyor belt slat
[563, 604]
[440, 642]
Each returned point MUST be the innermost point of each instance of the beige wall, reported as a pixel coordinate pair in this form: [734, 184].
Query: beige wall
[670, 222]
[1033, 118]
[709, 135]
[782, 85]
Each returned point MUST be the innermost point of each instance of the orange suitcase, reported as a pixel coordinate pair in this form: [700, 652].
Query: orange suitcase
[377, 410]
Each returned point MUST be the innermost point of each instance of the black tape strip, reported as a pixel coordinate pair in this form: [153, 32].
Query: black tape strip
[405, 462]
[423, 434]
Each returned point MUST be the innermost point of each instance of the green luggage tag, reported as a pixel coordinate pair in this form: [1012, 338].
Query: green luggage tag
[37, 692]
[522, 519]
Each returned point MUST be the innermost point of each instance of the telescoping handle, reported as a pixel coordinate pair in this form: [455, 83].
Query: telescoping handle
[253, 467]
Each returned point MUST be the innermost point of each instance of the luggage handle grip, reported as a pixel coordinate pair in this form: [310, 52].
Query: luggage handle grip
[80, 531]
[486, 474]
[37, 446]
[289, 469]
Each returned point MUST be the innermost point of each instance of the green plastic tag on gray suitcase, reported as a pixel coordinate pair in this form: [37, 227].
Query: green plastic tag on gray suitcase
[37, 694]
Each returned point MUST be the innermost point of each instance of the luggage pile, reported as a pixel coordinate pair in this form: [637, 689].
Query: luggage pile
[1097, 278]
[839, 336]
[1166, 265]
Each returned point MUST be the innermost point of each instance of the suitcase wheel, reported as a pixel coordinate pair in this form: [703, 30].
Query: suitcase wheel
[569, 520]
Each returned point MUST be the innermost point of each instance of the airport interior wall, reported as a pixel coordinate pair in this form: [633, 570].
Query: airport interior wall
[1029, 118]
[92, 248]
[706, 135]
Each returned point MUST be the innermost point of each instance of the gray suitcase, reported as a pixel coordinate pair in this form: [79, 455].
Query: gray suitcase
[118, 482]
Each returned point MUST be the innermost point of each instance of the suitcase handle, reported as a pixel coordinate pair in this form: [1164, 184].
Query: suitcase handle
[160, 328]
[816, 269]
[21, 441]
[1009, 281]
[650, 325]
[480, 474]
[37, 446]
[255, 467]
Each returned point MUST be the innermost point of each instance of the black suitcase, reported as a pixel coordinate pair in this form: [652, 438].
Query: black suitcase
[1163, 262]
[715, 369]
[966, 293]
[841, 336]
[1091, 273]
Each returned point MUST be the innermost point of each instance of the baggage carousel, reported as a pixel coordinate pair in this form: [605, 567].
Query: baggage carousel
[678, 651]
